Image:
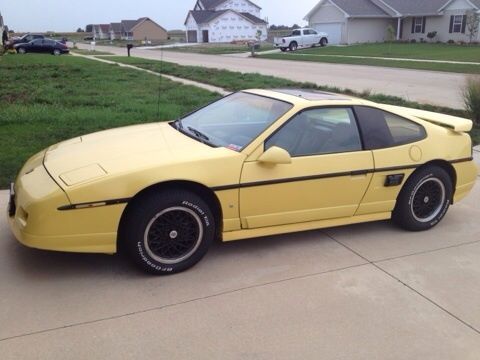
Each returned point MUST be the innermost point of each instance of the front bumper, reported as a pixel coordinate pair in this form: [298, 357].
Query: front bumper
[37, 222]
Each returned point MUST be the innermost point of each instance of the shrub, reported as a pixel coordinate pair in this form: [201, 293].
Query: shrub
[451, 41]
[432, 35]
[471, 96]
[413, 41]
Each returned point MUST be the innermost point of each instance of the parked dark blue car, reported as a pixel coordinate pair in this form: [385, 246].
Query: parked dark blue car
[42, 46]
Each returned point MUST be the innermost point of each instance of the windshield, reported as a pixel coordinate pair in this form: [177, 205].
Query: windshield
[233, 121]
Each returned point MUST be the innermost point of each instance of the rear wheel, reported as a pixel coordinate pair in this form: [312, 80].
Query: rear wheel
[21, 50]
[168, 232]
[424, 200]
[293, 46]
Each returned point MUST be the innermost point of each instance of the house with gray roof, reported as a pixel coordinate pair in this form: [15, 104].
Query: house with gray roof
[222, 21]
[361, 21]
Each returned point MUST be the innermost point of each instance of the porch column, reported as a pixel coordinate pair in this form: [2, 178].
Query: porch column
[399, 28]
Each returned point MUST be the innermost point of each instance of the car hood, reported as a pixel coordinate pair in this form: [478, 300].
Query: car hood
[123, 150]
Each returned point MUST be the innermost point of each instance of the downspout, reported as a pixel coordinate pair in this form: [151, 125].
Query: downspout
[399, 28]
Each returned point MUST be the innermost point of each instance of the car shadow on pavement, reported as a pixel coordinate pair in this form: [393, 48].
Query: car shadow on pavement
[39, 264]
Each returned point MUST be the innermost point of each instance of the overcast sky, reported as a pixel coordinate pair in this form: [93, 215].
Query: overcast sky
[64, 15]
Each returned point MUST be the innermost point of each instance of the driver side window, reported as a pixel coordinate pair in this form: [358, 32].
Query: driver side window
[317, 132]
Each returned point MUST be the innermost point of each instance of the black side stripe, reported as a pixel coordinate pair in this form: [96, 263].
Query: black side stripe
[102, 203]
[326, 176]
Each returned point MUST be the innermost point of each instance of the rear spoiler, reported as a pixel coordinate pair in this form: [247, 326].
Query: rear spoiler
[454, 123]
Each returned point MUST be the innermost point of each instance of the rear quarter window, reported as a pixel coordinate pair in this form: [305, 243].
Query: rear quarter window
[381, 129]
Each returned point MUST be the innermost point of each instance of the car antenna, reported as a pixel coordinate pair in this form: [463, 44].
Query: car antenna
[160, 84]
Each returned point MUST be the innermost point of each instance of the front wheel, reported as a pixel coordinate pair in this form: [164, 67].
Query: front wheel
[57, 52]
[21, 51]
[323, 42]
[424, 200]
[168, 232]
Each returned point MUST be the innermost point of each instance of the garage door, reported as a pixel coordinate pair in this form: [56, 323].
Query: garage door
[192, 36]
[334, 31]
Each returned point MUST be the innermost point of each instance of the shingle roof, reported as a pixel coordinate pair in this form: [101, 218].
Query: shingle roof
[116, 27]
[415, 7]
[205, 16]
[360, 7]
[128, 25]
[212, 4]
[253, 18]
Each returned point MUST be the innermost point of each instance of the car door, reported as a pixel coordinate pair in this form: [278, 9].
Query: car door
[397, 145]
[314, 37]
[327, 178]
[306, 38]
[35, 46]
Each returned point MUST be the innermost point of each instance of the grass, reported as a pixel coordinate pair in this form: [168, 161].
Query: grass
[235, 81]
[219, 49]
[46, 99]
[443, 52]
[92, 53]
[423, 51]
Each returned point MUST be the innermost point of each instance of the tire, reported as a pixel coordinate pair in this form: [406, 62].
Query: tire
[57, 52]
[21, 51]
[293, 46]
[283, 49]
[323, 42]
[424, 200]
[167, 232]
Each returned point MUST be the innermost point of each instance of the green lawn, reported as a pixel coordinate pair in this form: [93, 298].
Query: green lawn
[45, 99]
[219, 49]
[444, 52]
[407, 51]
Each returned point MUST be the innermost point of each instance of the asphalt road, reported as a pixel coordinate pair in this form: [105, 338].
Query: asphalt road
[430, 87]
[367, 291]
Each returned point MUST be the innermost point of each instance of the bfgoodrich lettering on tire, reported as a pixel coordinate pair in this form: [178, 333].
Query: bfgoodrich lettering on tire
[168, 232]
[424, 200]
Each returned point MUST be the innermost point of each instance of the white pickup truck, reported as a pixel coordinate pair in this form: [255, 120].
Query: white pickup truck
[301, 38]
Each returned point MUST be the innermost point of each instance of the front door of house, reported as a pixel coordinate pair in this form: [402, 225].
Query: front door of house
[205, 36]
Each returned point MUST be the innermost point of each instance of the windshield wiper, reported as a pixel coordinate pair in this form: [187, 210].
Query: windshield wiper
[198, 133]
[178, 124]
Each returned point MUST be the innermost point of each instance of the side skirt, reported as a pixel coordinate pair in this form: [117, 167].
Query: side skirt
[312, 225]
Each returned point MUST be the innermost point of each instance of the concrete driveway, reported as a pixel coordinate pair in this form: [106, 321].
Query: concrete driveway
[429, 87]
[367, 291]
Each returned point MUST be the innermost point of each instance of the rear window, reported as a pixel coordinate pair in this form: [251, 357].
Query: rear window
[381, 129]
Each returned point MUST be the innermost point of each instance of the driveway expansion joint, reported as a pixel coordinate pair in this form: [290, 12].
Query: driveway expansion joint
[376, 265]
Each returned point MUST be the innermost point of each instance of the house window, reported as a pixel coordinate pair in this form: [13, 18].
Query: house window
[457, 23]
[418, 25]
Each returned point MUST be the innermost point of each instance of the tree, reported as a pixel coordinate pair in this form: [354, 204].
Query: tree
[80, 30]
[473, 21]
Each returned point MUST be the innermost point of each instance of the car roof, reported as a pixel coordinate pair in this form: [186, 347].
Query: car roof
[311, 97]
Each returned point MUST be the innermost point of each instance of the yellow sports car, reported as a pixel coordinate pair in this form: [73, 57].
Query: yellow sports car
[255, 163]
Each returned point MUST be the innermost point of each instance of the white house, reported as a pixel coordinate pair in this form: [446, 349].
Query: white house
[360, 21]
[221, 21]
[2, 26]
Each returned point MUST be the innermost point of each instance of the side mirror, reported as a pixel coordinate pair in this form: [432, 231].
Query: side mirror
[275, 156]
